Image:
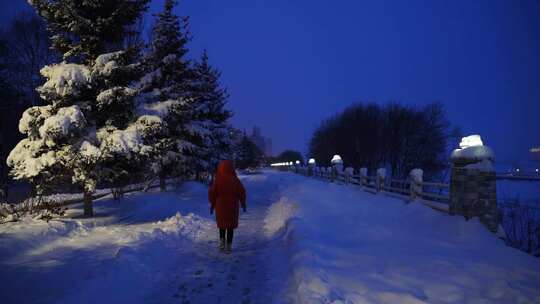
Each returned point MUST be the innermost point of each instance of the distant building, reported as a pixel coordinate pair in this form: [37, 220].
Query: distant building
[264, 143]
[268, 151]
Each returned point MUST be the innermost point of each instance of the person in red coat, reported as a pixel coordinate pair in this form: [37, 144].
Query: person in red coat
[226, 194]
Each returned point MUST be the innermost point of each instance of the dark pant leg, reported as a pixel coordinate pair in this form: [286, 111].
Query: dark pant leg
[230, 235]
[221, 233]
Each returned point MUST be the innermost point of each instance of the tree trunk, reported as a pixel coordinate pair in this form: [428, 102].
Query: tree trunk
[162, 184]
[88, 208]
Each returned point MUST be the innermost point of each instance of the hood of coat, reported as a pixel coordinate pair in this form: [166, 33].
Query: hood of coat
[225, 168]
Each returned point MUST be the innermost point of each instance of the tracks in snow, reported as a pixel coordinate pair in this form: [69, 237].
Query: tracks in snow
[247, 276]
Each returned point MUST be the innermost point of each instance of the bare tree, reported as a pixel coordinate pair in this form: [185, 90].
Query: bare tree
[10, 111]
[28, 51]
[394, 136]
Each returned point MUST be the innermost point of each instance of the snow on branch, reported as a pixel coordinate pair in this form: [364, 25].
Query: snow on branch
[64, 79]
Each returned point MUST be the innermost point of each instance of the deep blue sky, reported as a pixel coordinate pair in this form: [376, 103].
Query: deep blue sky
[290, 64]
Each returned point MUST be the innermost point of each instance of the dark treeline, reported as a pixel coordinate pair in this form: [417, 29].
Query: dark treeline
[394, 136]
[288, 156]
[24, 49]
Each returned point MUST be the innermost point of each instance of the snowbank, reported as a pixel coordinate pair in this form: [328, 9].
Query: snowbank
[355, 247]
[117, 257]
[278, 215]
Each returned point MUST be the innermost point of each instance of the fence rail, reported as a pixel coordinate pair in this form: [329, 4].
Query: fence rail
[412, 188]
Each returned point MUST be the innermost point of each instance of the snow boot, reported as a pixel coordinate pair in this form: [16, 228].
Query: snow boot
[228, 248]
[221, 244]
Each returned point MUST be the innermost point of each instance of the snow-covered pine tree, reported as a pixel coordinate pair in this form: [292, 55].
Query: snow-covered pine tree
[88, 131]
[85, 29]
[210, 99]
[166, 91]
[247, 154]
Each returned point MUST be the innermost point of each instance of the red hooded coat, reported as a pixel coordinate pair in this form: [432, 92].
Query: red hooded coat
[225, 194]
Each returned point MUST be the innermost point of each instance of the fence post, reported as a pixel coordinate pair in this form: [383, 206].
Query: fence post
[337, 167]
[381, 176]
[363, 176]
[311, 165]
[473, 183]
[416, 177]
[349, 172]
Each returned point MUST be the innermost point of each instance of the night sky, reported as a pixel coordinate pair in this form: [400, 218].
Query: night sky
[290, 64]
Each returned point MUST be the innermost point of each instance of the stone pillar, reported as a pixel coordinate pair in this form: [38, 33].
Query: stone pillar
[416, 177]
[381, 176]
[473, 185]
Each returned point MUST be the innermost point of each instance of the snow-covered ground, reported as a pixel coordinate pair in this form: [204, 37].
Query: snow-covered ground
[356, 247]
[302, 241]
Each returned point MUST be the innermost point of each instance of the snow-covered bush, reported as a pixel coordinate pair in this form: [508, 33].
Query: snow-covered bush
[35, 207]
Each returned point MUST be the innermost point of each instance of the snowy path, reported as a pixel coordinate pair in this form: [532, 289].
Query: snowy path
[138, 251]
[247, 276]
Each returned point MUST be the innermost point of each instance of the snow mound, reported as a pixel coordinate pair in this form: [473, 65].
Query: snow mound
[190, 226]
[278, 214]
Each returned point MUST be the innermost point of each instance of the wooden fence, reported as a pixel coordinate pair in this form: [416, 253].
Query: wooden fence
[435, 195]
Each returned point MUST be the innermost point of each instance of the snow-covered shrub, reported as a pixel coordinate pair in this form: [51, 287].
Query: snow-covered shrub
[35, 207]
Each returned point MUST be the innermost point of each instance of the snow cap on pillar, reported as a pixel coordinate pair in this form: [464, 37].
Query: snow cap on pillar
[473, 151]
[336, 160]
